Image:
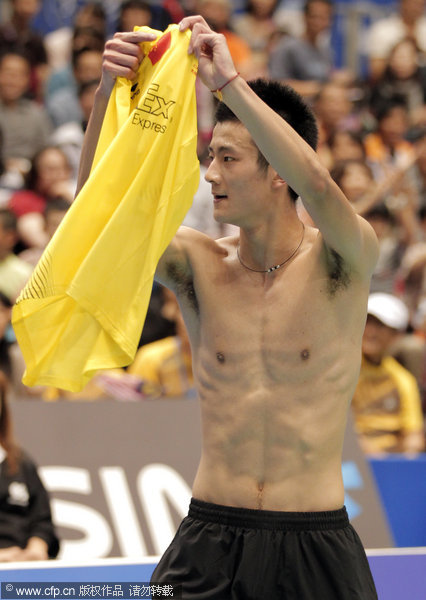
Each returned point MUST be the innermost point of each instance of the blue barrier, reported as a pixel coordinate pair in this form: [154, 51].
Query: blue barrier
[399, 574]
[401, 483]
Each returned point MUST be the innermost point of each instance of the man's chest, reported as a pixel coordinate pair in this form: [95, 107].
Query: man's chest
[271, 321]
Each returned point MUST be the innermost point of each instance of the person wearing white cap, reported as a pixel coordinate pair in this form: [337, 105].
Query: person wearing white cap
[386, 404]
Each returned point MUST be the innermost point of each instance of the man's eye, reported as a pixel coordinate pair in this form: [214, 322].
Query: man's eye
[227, 158]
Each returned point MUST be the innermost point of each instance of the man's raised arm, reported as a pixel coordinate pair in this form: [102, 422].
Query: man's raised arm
[121, 58]
[285, 150]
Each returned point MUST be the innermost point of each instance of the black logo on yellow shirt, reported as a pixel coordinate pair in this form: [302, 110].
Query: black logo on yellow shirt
[156, 106]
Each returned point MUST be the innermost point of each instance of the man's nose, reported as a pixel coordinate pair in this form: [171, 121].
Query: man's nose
[211, 175]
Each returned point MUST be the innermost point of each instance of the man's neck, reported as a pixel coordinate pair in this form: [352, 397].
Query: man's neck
[270, 244]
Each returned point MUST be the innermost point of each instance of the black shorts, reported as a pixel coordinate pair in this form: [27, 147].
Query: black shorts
[227, 553]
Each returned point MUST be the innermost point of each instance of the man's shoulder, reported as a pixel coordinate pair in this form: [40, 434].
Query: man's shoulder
[189, 252]
[196, 241]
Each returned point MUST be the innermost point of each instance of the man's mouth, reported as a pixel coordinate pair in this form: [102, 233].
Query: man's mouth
[219, 197]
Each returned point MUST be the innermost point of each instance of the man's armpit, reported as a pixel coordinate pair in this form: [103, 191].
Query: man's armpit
[183, 283]
[338, 270]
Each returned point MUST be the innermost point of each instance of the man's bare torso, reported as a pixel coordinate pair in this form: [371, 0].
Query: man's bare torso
[275, 359]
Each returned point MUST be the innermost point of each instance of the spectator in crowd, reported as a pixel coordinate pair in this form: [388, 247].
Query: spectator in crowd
[14, 272]
[83, 38]
[165, 366]
[391, 249]
[156, 326]
[63, 104]
[12, 363]
[334, 111]
[414, 358]
[17, 35]
[408, 21]
[53, 214]
[137, 13]
[134, 13]
[420, 181]
[48, 178]
[61, 42]
[25, 124]
[404, 75]
[256, 25]
[386, 403]
[409, 349]
[6, 336]
[356, 179]
[387, 146]
[389, 208]
[218, 14]
[69, 136]
[10, 180]
[26, 528]
[306, 62]
[344, 145]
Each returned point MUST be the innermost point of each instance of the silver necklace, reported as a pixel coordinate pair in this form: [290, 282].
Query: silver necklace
[275, 267]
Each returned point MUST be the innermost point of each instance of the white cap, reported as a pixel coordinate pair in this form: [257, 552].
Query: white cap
[390, 310]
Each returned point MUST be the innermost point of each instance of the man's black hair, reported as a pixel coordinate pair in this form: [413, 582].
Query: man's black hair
[286, 102]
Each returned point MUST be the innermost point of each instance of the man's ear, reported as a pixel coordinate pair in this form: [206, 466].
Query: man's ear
[277, 181]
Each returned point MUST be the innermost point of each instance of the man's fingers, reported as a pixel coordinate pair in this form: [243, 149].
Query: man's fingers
[204, 43]
[123, 47]
[121, 65]
[135, 37]
[199, 29]
[117, 70]
[123, 53]
[189, 22]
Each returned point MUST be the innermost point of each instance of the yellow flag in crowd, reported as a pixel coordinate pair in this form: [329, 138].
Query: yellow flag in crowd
[84, 306]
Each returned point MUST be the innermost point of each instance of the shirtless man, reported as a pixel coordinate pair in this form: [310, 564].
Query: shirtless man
[276, 351]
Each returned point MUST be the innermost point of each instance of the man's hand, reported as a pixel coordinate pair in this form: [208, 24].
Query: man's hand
[122, 57]
[215, 65]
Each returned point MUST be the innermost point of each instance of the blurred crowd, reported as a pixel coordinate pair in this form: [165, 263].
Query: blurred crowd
[372, 122]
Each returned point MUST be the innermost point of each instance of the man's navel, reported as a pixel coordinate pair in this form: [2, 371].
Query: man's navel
[220, 357]
[305, 354]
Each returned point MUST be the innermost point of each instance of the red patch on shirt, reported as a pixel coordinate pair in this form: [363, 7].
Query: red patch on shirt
[160, 47]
